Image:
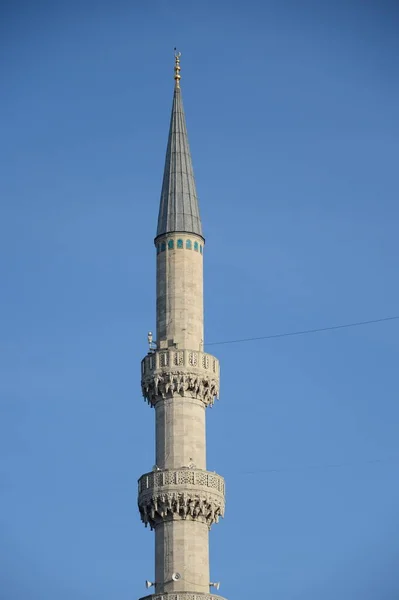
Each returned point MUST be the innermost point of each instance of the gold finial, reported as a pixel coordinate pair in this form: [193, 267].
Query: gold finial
[177, 69]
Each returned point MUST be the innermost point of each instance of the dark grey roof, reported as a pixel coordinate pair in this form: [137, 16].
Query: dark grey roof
[178, 209]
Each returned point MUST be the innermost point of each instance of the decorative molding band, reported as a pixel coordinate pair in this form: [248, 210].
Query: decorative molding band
[170, 243]
[181, 494]
[183, 596]
[168, 373]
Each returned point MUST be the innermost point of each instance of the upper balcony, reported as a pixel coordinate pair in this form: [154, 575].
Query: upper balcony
[165, 373]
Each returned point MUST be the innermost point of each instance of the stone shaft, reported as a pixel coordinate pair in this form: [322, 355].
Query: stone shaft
[180, 433]
[180, 305]
[182, 546]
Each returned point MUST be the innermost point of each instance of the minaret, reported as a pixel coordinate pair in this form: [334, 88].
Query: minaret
[179, 499]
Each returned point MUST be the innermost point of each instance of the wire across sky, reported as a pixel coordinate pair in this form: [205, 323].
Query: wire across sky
[305, 331]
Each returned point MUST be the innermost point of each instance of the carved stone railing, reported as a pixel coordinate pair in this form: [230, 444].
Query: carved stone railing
[183, 596]
[173, 372]
[181, 494]
[177, 477]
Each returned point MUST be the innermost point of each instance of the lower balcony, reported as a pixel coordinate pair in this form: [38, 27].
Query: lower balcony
[182, 493]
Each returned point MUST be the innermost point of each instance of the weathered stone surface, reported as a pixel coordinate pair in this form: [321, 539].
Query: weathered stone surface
[180, 296]
[181, 494]
[180, 433]
[181, 546]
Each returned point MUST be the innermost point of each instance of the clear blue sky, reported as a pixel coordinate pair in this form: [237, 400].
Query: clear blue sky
[292, 111]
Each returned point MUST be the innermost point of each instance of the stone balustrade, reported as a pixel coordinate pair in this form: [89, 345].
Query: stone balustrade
[176, 477]
[166, 373]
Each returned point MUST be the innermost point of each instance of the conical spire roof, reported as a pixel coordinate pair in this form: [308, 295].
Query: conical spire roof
[178, 210]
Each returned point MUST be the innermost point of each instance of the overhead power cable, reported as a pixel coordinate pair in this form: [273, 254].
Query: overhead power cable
[304, 331]
[321, 466]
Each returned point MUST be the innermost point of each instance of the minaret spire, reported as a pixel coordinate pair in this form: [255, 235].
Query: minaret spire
[178, 210]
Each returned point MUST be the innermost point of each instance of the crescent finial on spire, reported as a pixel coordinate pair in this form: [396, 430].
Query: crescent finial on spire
[177, 69]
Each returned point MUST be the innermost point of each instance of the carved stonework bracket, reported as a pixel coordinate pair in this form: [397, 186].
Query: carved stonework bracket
[169, 373]
[181, 494]
[183, 596]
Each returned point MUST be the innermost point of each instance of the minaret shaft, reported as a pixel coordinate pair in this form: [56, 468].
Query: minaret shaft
[180, 304]
[182, 546]
[180, 433]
